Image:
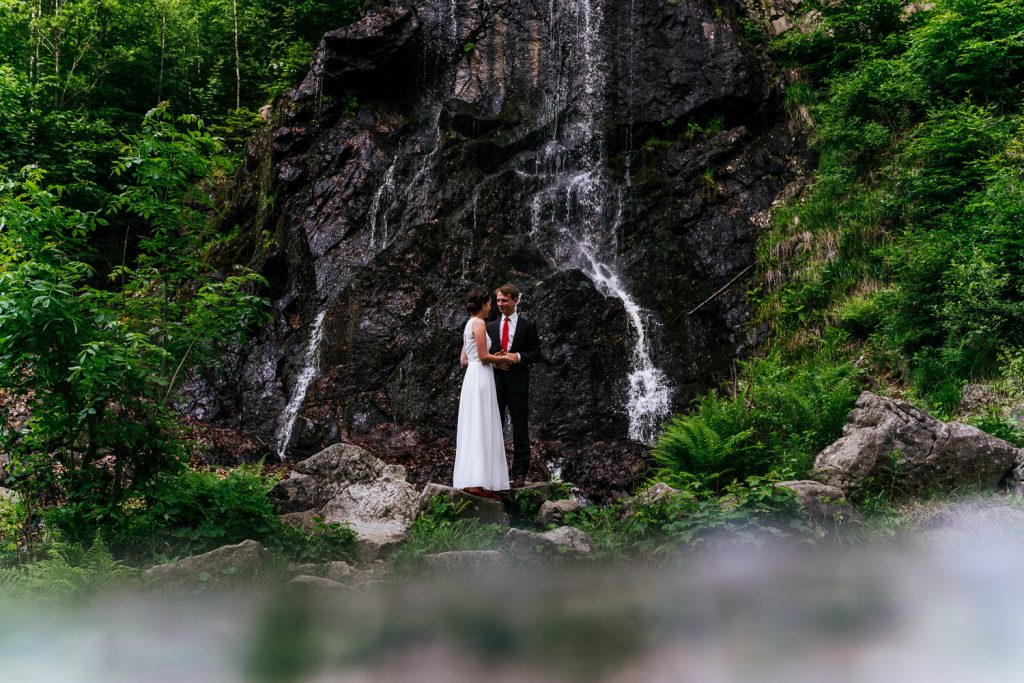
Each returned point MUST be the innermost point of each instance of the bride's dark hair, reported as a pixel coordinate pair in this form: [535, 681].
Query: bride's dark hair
[476, 298]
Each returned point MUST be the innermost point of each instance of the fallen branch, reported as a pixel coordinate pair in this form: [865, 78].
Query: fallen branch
[725, 287]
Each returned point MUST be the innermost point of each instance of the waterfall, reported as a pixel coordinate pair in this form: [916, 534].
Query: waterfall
[310, 365]
[577, 214]
[387, 187]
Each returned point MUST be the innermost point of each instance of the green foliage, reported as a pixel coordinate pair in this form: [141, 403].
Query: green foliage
[442, 528]
[68, 570]
[98, 365]
[76, 75]
[777, 416]
[909, 236]
[191, 512]
[560, 490]
[326, 541]
[749, 513]
[610, 538]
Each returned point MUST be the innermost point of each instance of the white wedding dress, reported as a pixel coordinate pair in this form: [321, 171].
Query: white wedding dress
[479, 445]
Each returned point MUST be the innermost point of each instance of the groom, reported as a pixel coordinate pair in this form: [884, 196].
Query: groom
[517, 338]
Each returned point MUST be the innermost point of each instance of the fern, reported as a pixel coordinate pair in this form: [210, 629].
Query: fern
[690, 445]
[67, 570]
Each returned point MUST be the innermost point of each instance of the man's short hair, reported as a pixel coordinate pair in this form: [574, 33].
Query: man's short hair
[510, 290]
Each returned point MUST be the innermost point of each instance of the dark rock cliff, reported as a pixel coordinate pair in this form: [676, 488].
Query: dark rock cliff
[613, 159]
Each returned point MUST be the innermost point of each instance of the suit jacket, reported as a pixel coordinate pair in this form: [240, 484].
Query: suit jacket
[526, 343]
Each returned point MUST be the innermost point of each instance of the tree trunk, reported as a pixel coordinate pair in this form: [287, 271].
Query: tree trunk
[163, 53]
[238, 69]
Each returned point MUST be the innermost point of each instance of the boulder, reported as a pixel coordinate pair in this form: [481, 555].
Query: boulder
[891, 445]
[989, 525]
[652, 495]
[1015, 478]
[975, 398]
[313, 583]
[339, 571]
[824, 504]
[465, 561]
[487, 510]
[346, 484]
[230, 564]
[655, 493]
[564, 540]
[554, 511]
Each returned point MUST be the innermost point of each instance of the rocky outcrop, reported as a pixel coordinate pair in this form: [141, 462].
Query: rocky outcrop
[824, 504]
[230, 565]
[892, 446]
[959, 526]
[305, 582]
[565, 541]
[465, 561]
[439, 144]
[344, 484]
[554, 511]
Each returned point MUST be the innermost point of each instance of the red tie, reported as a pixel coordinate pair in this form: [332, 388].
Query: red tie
[504, 337]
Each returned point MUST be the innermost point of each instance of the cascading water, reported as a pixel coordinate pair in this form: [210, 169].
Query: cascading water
[577, 214]
[306, 376]
[387, 187]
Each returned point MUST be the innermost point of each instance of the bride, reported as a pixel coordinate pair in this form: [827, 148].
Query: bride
[480, 466]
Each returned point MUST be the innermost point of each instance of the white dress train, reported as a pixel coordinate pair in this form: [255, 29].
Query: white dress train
[479, 444]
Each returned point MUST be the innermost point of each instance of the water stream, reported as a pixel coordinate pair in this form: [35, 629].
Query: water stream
[310, 365]
[577, 214]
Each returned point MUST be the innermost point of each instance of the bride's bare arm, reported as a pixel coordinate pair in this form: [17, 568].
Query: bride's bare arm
[480, 337]
[463, 360]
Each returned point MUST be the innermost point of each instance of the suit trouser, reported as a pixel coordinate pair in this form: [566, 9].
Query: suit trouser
[518, 405]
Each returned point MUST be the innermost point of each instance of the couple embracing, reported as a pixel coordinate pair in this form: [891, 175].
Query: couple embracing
[497, 358]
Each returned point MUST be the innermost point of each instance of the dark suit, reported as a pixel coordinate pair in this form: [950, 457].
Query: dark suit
[513, 386]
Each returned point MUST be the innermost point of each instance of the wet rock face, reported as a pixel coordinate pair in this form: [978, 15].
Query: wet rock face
[607, 148]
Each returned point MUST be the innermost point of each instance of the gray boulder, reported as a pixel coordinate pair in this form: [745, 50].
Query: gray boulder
[652, 495]
[824, 504]
[306, 582]
[487, 510]
[565, 540]
[975, 398]
[465, 561]
[339, 571]
[346, 484]
[971, 525]
[225, 566]
[1015, 479]
[904, 450]
[554, 511]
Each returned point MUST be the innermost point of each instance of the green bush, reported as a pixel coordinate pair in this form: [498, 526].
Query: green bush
[192, 512]
[777, 416]
[68, 570]
[918, 196]
[749, 513]
[441, 528]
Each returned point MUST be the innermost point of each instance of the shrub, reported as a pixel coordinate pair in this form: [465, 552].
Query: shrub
[776, 417]
[749, 513]
[192, 512]
[68, 570]
[441, 528]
